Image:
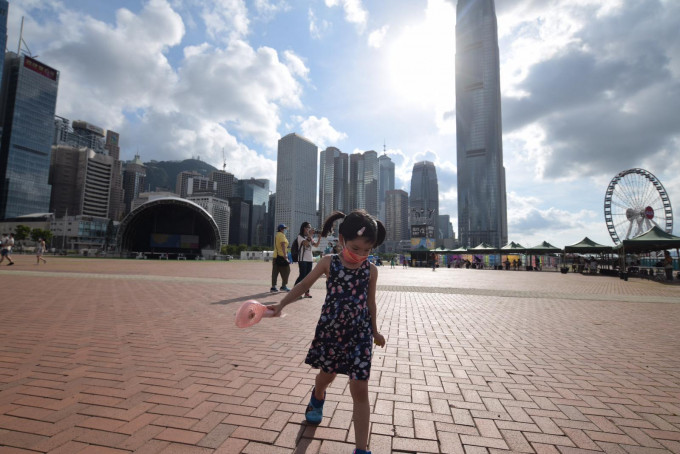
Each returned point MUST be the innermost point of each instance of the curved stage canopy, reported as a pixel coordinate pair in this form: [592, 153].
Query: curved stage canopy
[168, 225]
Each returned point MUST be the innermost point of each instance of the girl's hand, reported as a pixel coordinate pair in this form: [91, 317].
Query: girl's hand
[379, 340]
[276, 308]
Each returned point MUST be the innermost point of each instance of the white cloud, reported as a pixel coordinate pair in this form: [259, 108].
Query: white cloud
[376, 37]
[317, 29]
[240, 86]
[268, 9]
[320, 131]
[225, 19]
[354, 12]
[296, 64]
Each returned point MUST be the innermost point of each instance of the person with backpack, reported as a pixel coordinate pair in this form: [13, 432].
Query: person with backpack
[301, 251]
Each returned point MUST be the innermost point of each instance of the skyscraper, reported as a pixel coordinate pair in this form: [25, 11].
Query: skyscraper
[134, 177]
[117, 197]
[385, 183]
[482, 211]
[333, 182]
[80, 180]
[424, 201]
[396, 212]
[4, 10]
[296, 165]
[364, 172]
[27, 103]
[225, 183]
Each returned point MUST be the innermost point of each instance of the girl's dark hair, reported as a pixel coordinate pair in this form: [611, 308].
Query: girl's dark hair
[356, 224]
[303, 227]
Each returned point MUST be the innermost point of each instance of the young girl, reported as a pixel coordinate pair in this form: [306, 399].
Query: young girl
[348, 324]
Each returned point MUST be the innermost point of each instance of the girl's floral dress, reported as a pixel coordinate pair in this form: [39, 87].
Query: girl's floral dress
[343, 341]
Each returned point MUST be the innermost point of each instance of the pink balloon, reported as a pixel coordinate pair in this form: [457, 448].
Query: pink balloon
[251, 312]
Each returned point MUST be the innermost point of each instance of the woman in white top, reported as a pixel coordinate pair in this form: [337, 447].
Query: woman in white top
[305, 257]
[39, 251]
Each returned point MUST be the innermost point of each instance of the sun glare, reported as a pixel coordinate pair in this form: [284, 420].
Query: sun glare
[422, 58]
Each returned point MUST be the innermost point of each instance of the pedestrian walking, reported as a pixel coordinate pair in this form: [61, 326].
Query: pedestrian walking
[305, 257]
[39, 251]
[280, 264]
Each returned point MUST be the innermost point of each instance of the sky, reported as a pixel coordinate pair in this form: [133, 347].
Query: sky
[589, 88]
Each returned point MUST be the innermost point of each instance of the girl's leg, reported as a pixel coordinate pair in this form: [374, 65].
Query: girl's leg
[323, 381]
[362, 412]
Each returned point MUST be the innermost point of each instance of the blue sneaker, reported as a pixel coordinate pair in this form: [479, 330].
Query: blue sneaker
[314, 412]
[361, 451]
[284, 289]
[273, 290]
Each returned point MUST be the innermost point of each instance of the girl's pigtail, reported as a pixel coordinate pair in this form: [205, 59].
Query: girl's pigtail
[328, 225]
[382, 232]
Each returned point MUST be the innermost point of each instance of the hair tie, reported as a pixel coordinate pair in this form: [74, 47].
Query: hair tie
[361, 231]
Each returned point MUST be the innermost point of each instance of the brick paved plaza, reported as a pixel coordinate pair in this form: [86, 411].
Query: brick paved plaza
[117, 356]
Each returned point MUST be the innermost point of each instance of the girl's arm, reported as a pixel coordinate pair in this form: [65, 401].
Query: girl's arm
[372, 284]
[322, 267]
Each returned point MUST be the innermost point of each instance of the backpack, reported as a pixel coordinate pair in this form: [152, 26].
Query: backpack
[295, 249]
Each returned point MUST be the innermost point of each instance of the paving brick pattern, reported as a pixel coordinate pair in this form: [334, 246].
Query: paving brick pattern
[120, 356]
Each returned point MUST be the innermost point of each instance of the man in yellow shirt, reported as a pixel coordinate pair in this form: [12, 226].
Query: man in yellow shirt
[280, 262]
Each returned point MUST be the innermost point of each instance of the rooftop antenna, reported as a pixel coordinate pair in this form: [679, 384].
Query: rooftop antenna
[21, 40]
[224, 161]
[384, 147]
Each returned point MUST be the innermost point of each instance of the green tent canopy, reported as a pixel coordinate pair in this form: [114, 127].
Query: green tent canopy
[483, 248]
[587, 246]
[543, 248]
[654, 239]
[513, 248]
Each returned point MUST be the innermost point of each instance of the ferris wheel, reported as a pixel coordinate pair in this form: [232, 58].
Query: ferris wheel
[636, 201]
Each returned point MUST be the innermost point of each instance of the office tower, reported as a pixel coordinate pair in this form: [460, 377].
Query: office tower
[295, 182]
[385, 183]
[424, 201]
[79, 134]
[371, 175]
[364, 172]
[27, 102]
[4, 10]
[239, 220]
[190, 182]
[482, 211]
[225, 183]
[445, 226]
[333, 183]
[218, 209]
[270, 224]
[134, 178]
[396, 215]
[80, 180]
[117, 197]
[256, 193]
[357, 198]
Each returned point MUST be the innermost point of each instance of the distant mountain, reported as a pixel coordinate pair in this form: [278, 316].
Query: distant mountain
[162, 175]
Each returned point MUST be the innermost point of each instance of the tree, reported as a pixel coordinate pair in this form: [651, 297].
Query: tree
[40, 233]
[22, 232]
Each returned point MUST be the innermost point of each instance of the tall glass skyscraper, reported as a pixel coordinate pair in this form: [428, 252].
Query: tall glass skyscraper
[296, 165]
[333, 182]
[425, 197]
[27, 103]
[4, 11]
[385, 183]
[482, 210]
